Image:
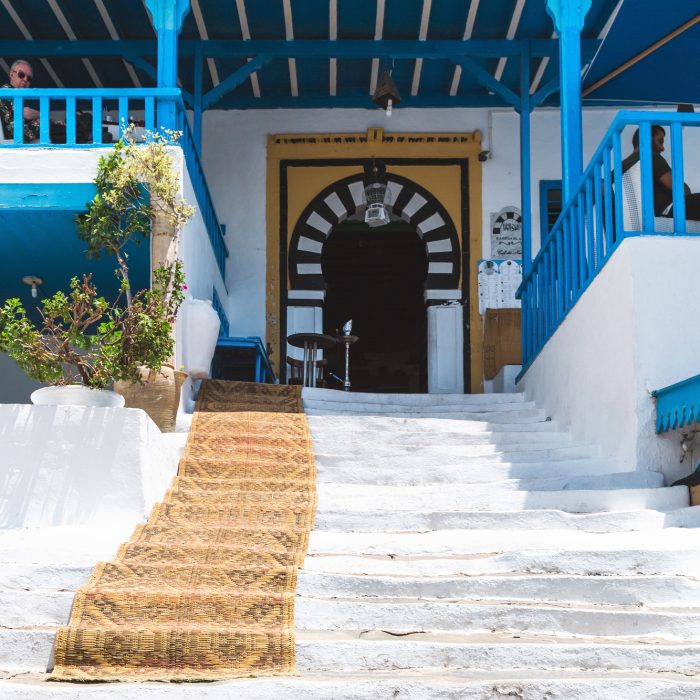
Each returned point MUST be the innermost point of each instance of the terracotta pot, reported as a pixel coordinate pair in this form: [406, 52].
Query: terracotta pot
[76, 395]
[159, 395]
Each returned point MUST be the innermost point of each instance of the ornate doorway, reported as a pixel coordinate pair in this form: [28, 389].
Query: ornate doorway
[376, 277]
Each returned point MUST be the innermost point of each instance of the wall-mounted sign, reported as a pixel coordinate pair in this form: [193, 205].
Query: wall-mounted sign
[498, 282]
[507, 234]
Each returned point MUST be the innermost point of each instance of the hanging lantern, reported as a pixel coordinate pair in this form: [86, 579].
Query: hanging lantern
[375, 191]
[386, 94]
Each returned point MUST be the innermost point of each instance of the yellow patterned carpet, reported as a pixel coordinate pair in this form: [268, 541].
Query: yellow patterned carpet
[205, 589]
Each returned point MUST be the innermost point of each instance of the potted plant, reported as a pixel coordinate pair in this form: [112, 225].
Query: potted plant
[82, 338]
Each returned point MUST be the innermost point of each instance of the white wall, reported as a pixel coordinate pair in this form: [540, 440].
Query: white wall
[234, 153]
[46, 165]
[201, 271]
[75, 465]
[633, 331]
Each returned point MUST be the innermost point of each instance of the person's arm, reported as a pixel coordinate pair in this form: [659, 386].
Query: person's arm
[29, 113]
[667, 181]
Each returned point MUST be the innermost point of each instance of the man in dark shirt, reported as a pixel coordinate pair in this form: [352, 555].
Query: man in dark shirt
[661, 174]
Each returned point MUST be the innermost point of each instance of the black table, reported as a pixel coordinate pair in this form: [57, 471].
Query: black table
[311, 342]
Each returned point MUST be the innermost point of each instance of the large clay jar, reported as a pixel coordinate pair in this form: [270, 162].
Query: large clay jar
[200, 333]
[159, 395]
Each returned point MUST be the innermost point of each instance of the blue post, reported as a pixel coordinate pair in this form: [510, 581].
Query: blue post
[197, 120]
[167, 17]
[525, 185]
[568, 17]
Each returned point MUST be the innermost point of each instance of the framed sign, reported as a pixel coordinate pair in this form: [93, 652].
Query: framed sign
[507, 234]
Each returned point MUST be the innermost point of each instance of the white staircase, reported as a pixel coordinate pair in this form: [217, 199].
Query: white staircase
[465, 547]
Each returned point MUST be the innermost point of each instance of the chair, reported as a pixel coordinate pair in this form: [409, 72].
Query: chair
[296, 371]
[632, 210]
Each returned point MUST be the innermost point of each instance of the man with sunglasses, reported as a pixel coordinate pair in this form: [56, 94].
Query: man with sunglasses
[21, 76]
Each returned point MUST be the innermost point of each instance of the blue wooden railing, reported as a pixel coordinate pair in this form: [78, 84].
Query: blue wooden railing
[215, 230]
[677, 405]
[65, 105]
[113, 108]
[594, 222]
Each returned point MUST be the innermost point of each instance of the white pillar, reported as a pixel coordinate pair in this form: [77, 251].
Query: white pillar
[445, 341]
[304, 315]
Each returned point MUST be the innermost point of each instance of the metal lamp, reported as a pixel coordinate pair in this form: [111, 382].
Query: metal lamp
[386, 94]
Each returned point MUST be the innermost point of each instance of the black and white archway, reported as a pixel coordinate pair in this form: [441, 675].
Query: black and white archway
[418, 207]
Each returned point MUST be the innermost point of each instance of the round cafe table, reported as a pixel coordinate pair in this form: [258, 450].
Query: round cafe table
[310, 342]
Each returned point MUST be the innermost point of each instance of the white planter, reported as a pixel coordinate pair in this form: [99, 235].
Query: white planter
[201, 331]
[75, 395]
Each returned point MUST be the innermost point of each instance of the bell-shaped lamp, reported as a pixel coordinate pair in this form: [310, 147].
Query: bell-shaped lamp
[386, 95]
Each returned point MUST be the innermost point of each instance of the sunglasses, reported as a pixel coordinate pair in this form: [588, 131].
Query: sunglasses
[24, 76]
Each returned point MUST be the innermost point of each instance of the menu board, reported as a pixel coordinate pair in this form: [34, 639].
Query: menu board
[498, 281]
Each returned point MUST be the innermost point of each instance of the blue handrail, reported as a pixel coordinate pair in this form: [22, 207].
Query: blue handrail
[201, 190]
[594, 222]
[677, 405]
[66, 104]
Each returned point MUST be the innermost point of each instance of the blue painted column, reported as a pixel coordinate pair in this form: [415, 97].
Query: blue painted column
[197, 116]
[525, 177]
[568, 16]
[167, 17]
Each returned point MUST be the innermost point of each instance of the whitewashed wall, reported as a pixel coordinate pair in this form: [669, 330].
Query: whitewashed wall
[234, 151]
[75, 465]
[633, 331]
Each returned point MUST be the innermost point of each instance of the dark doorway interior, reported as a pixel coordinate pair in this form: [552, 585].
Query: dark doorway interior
[376, 277]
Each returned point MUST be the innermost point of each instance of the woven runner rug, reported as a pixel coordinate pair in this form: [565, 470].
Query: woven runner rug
[205, 589]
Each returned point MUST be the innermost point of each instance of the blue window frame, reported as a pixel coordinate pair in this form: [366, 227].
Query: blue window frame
[550, 205]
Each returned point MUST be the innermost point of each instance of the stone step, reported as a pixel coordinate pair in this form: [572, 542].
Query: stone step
[402, 617]
[416, 521]
[355, 397]
[459, 543]
[359, 497]
[20, 608]
[34, 608]
[512, 452]
[621, 480]
[404, 436]
[427, 427]
[356, 408]
[45, 577]
[525, 415]
[399, 471]
[438, 684]
[321, 651]
[25, 650]
[631, 591]
[665, 559]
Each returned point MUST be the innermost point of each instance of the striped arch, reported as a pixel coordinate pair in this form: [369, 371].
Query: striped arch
[413, 203]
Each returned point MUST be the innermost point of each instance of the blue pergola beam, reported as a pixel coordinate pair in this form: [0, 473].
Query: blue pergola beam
[197, 106]
[346, 48]
[142, 64]
[487, 80]
[362, 101]
[234, 80]
[568, 16]
[544, 92]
